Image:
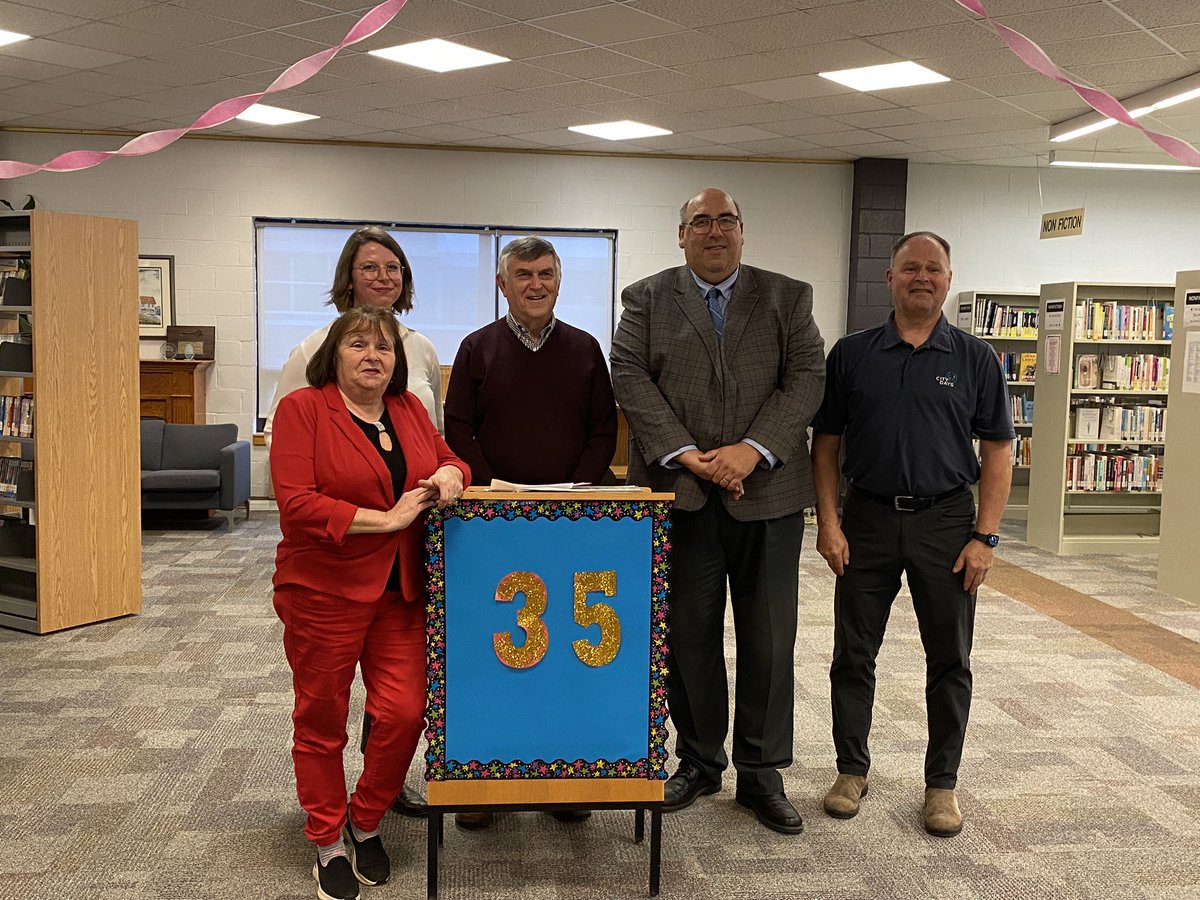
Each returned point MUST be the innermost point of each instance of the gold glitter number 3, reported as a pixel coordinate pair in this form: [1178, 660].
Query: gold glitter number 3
[601, 614]
[529, 620]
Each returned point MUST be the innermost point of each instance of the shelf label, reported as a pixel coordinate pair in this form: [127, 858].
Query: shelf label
[1191, 309]
[1191, 363]
[1053, 364]
[1064, 223]
[966, 316]
[1055, 314]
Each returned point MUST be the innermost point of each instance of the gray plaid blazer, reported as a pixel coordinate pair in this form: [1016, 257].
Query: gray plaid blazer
[677, 386]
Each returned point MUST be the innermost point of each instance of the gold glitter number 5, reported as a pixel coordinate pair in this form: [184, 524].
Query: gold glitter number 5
[601, 614]
[529, 620]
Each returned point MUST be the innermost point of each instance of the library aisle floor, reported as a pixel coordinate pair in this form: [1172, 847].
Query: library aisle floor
[148, 757]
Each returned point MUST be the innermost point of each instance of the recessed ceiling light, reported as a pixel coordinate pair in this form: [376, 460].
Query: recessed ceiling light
[439, 56]
[625, 130]
[880, 78]
[273, 115]
[11, 37]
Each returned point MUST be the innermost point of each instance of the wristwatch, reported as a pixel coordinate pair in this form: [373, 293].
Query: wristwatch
[990, 539]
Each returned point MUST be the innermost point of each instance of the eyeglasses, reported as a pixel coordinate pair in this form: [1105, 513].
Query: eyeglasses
[370, 271]
[703, 224]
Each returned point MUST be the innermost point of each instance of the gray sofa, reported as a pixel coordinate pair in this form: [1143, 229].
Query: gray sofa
[194, 467]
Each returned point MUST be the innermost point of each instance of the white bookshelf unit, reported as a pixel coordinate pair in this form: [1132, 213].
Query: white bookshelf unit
[1181, 497]
[1008, 320]
[1095, 483]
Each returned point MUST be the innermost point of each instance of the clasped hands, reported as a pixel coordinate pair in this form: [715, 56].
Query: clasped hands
[726, 467]
[440, 489]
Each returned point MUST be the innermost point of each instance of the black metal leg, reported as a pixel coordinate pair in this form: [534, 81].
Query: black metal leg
[433, 828]
[655, 848]
[639, 825]
[441, 833]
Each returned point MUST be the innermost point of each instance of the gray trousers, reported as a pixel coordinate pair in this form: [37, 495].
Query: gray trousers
[923, 545]
[760, 562]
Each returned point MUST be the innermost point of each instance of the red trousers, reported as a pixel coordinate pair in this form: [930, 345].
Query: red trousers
[324, 639]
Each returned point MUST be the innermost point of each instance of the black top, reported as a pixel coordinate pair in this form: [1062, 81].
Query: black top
[908, 415]
[394, 460]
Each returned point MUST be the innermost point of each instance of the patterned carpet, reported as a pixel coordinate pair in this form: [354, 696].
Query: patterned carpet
[148, 758]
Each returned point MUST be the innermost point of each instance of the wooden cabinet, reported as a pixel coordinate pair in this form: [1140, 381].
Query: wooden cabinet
[173, 389]
[72, 554]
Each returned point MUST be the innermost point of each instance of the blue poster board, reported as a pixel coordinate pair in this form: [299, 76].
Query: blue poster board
[547, 639]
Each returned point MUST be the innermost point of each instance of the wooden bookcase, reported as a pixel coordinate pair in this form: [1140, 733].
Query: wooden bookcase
[1181, 489]
[1106, 520]
[1008, 321]
[71, 554]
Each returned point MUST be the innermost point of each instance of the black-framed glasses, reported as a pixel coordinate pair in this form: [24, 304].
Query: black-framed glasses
[703, 224]
[370, 271]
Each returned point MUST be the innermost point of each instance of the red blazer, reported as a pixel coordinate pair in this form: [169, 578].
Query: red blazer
[324, 470]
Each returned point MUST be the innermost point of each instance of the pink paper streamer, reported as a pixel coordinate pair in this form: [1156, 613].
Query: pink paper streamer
[1035, 57]
[219, 114]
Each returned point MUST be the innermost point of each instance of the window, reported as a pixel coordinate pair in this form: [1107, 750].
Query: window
[453, 275]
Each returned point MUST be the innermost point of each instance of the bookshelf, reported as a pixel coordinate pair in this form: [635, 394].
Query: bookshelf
[1008, 320]
[1181, 494]
[70, 542]
[1095, 483]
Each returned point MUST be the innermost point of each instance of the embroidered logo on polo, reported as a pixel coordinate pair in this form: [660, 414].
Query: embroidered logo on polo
[950, 379]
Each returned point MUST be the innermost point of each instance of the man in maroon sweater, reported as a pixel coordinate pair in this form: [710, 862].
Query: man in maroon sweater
[530, 399]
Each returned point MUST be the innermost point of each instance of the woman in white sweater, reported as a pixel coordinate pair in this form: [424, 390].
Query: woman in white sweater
[372, 271]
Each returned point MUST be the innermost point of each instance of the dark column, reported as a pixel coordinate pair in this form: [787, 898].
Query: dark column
[876, 221]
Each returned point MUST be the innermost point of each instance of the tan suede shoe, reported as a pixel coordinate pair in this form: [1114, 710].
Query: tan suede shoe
[943, 818]
[845, 796]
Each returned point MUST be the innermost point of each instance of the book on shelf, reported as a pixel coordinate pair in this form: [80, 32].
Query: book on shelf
[1028, 367]
[1087, 371]
[1168, 322]
[1121, 470]
[1087, 423]
[16, 416]
[1006, 320]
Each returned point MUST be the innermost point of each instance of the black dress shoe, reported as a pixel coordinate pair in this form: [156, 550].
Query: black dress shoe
[410, 804]
[682, 788]
[571, 816]
[773, 810]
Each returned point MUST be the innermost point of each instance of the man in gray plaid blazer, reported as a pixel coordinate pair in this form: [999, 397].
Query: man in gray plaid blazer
[719, 367]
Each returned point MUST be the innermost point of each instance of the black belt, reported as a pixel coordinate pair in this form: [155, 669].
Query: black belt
[910, 504]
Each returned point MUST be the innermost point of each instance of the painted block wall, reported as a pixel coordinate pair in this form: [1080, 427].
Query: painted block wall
[197, 199]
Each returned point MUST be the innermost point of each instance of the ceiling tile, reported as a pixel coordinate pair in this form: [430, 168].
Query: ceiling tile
[745, 67]
[674, 49]
[653, 82]
[846, 138]
[699, 13]
[1109, 76]
[1107, 48]
[868, 17]
[707, 98]
[805, 126]
[574, 93]
[757, 114]
[260, 13]
[963, 66]
[61, 54]
[1024, 83]
[592, 62]
[125, 41]
[968, 109]
[1078, 20]
[779, 32]
[841, 105]
[884, 117]
[38, 22]
[918, 44]
[270, 48]
[610, 24]
[533, 9]
[92, 9]
[29, 70]
[446, 132]
[1159, 13]
[734, 134]
[446, 18]
[778, 146]
[798, 87]
[520, 41]
[55, 94]
[833, 56]
[1184, 38]
[166, 19]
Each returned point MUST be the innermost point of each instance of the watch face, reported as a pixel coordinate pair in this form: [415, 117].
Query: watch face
[993, 540]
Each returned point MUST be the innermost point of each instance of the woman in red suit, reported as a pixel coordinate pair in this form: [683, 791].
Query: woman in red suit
[355, 462]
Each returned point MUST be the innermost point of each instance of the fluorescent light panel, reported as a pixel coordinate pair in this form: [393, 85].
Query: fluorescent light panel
[880, 78]
[273, 115]
[1140, 162]
[11, 37]
[1173, 94]
[625, 130]
[438, 55]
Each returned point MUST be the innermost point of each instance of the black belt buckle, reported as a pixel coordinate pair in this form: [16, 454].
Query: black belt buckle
[908, 504]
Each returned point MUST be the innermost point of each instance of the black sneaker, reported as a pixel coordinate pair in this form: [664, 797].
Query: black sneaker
[368, 859]
[336, 881]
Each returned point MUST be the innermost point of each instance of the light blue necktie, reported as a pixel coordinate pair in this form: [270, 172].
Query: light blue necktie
[713, 297]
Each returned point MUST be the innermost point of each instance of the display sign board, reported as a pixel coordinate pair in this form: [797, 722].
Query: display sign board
[547, 633]
[1064, 223]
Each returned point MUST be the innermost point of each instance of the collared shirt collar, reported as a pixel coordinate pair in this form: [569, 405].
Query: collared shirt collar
[939, 338]
[725, 287]
[525, 336]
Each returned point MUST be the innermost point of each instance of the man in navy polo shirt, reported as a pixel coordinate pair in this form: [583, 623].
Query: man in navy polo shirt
[906, 398]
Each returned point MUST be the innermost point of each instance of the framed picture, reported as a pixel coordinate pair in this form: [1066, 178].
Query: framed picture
[156, 295]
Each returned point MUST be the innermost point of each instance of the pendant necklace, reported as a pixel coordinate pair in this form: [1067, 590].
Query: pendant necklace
[385, 439]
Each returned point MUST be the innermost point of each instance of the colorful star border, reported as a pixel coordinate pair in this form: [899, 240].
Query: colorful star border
[651, 766]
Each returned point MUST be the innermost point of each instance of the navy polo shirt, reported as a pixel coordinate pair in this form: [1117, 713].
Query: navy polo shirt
[907, 415]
